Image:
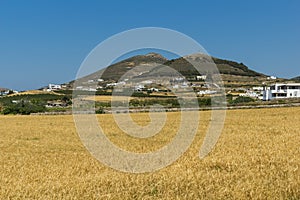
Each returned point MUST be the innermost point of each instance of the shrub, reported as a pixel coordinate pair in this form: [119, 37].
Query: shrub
[203, 102]
[100, 111]
[23, 108]
[242, 100]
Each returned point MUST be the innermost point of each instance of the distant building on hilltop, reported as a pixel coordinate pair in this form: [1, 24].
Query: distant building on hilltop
[282, 90]
[202, 77]
[272, 78]
[52, 87]
[4, 91]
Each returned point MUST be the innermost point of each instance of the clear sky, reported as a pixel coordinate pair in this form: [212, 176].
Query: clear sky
[45, 41]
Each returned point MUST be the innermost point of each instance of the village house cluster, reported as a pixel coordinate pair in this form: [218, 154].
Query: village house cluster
[201, 87]
[282, 90]
[54, 87]
[4, 92]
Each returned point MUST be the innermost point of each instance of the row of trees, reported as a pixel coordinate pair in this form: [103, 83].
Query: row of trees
[27, 104]
[23, 108]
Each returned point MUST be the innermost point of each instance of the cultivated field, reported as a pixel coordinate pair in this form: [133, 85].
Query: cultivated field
[256, 157]
[108, 98]
[31, 92]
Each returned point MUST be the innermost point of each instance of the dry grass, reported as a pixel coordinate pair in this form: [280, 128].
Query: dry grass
[108, 98]
[257, 157]
[34, 92]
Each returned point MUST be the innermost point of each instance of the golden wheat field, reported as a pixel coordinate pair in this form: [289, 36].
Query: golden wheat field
[256, 157]
[107, 98]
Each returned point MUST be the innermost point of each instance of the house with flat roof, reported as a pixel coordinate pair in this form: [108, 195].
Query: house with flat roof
[52, 87]
[4, 91]
[282, 90]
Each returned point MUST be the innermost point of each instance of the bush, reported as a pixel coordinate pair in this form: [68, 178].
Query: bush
[67, 100]
[31, 103]
[242, 100]
[229, 97]
[23, 108]
[203, 102]
[100, 111]
[139, 94]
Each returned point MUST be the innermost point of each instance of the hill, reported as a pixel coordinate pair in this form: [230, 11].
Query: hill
[115, 71]
[3, 89]
[296, 78]
[230, 71]
[185, 67]
[34, 92]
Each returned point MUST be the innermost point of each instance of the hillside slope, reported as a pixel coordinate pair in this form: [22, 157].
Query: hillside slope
[3, 89]
[296, 78]
[115, 71]
[185, 67]
[151, 66]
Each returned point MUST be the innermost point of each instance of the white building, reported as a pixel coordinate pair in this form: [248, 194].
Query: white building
[249, 93]
[153, 89]
[147, 82]
[52, 87]
[258, 88]
[202, 77]
[204, 92]
[281, 90]
[139, 87]
[272, 78]
[4, 92]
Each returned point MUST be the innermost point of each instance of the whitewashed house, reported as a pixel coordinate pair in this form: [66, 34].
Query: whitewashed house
[147, 82]
[205, 92]
[258, 88]
[52, 87]
[282, 90]
[4, 92]
[111, 84]
[202, 77]
[139, 87]
[153, 89]
[249, 93]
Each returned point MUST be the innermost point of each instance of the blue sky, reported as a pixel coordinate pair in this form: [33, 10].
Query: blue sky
[45, 41]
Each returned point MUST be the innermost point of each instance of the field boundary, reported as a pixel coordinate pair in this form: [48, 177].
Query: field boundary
[143, 110]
